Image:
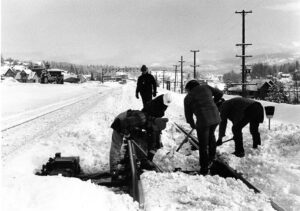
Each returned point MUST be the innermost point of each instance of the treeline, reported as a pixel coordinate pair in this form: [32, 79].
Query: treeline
[76, 68]
[262, 70]
[89, 69]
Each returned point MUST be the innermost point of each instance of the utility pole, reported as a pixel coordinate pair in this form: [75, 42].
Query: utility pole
[181, 64]
[163, 77]
[175, 77]
[195, 51]
[243, 56]
[102, 76]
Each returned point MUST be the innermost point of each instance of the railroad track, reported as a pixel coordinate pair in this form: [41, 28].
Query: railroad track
[44, 114]
[129, 181]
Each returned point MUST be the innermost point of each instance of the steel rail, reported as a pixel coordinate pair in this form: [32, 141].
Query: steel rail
[145, 155]
[134, 187]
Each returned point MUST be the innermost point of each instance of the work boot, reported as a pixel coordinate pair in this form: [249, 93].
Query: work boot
[239, 154]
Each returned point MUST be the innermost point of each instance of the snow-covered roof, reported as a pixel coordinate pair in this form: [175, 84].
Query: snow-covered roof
[28, 71]
[4, 69]
[19, 67]
[55, 70]
[239, 88]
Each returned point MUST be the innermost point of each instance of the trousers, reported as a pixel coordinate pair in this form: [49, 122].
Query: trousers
[252, 115]
[207, 146]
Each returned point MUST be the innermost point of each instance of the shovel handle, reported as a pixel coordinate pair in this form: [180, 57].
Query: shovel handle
[227, 140]
[184, 140]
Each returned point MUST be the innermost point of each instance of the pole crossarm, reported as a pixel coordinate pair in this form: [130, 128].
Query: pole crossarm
[243, 11]
[243, 44]
[243, 56]
[242, 84]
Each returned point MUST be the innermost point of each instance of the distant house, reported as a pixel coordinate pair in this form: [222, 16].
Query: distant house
[33, 78]
[257, 89]
[7, 71]
[21, 76]
[107, 78]
[70, 77]
[38, 68]
[285, 75]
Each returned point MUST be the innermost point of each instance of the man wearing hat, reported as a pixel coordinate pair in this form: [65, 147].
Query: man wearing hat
[146, 86]
[140, 126]
[200, 101]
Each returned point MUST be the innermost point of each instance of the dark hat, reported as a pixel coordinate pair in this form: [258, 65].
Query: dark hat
[191, 84]
[144, 68]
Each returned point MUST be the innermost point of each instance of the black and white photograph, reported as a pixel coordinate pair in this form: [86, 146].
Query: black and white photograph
[154, 105]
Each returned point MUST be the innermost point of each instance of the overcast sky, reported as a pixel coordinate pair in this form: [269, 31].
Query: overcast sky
[151, 32]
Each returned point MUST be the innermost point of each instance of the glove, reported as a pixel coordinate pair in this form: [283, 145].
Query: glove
[154, 94]
[137, 95]
[219, 142]
[161, 123]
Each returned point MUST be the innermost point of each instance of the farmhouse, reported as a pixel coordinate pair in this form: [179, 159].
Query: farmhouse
[257, 89]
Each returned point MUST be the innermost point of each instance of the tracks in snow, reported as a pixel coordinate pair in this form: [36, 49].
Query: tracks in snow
[26, 133]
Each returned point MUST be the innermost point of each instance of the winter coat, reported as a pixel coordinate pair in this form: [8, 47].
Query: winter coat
[128, 120]
[145, 84]
[235, 110]
[155, 107]
[201, 102]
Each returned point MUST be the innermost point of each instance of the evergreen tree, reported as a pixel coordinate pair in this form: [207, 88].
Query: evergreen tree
[232, 77]
[277, 94]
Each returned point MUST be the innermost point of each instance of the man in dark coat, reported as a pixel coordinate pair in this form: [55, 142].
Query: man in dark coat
[200, 101]
[123, 125]
[138, 125]
[146, 86]
[241, 111]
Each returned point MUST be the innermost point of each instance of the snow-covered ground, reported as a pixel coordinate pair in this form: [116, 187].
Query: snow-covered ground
[83, 129]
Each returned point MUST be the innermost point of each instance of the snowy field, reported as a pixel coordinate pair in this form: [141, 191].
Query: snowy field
[83, 129]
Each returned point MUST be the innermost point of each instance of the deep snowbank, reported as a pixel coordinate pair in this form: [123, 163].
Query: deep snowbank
[274, 168]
